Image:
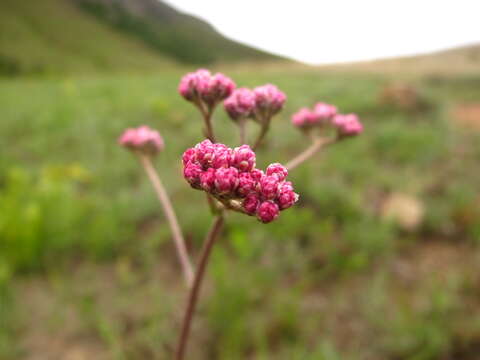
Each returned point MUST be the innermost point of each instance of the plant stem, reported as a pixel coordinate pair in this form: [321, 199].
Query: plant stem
[242, 124]
[316, 145]
[171, 217]
[197, 283]
[261, 135]
[207, 118]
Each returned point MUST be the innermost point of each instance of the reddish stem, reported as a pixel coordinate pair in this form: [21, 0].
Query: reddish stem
[197, 283]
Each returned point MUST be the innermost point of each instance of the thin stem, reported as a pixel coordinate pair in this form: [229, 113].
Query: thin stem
[316, 145]
[171, 217]
[197, 283]
[242, 124]
[207, 117]
[261, 135]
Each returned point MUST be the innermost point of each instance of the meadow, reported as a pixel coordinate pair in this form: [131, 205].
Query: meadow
[88, 269]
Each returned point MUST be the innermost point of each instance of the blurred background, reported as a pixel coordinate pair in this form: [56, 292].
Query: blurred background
[379, 260]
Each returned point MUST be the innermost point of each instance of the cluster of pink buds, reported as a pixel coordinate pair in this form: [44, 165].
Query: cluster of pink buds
[231, 177]
[269, 100]
[324, 114]
[321, 114]
[142, 139]
[347, 125]
[201, 87]
[241, 104]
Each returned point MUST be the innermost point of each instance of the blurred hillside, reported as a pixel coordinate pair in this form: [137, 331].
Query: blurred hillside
[464, 59]
[58, 36]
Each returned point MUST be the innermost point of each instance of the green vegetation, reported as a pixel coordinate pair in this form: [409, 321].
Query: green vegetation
[182, 37]
[86, 258]
[72, 40]
[66, 40]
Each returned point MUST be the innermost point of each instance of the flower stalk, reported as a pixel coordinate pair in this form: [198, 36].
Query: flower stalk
[197, 283]
[317, 145]
[162, 195]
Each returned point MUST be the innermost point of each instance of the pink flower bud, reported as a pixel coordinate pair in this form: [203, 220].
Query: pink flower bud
[269, 100]
[188, 156]
[269, 187]
[202, 86]
[204, 153]
[226, 180]
[191, 83]
[257, 174]
[207, 179]
[240, 104]
[347, 125]
[303, 117]
[250, 204]
[325, 111]
[142, 139]
[217, 88]
[267, 211]
[246, 184]
[222, 156]
[243, 158]
[191, 173]
[286, 196]
[277, 170]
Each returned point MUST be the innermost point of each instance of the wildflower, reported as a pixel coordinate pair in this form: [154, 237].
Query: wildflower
[203, 87]
[230, 175]
[347, 125]
[142, 139]
[269, 100]
[240, 104]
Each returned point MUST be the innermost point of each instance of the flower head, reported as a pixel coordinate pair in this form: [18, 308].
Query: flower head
[230, 176]
[324, 111]
[203, 87]
[250, 204]
[286, 196]
[192, 173]
[278, 171]
[142, 139]
[243, 158]
[321, 114]
[347, 125]
[240, 104]
[267, 211]
[226, 180]
[269, 100]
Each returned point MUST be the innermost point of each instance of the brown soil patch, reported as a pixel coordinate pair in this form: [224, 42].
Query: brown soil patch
[467, 115]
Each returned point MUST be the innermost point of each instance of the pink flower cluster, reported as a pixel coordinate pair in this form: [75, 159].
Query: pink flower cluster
[269, 100]
[240, 104]
[203, 87]
[326, 114]
[348, 124]
[321, 114]
[261, 103]
[230, 174]
[143, 139]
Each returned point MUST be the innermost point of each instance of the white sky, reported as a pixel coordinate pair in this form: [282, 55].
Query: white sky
[329, 31]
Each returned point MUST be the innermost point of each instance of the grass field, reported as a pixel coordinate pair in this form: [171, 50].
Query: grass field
[87, 267]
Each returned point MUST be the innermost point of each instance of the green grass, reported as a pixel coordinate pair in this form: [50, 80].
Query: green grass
[85, 253]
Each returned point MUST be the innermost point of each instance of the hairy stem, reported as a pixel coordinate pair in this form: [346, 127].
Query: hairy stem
[197, 283]
[171, 217]
[316, 145]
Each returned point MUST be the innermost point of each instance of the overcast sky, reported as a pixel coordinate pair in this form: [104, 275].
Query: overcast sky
[316, 31]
